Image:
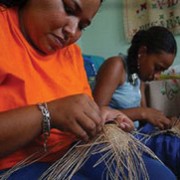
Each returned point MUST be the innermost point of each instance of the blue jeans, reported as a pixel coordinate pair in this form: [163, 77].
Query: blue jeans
[165, 146]
[155, 170]
[31, 172]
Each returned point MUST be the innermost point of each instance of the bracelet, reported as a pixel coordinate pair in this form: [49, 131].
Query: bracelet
[46, 126]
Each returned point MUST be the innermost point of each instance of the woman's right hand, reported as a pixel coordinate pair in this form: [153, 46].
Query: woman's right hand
[77, 114]
[120, 118]
[156, 117]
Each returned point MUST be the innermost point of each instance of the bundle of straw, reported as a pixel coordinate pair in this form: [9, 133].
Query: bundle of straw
[174, 130]
[120, 152]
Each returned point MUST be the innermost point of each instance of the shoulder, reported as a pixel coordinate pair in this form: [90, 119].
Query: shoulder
[3, 14]
[7, 12]
[114, 68]
[74, 48]
[8, 19]
[114, 63]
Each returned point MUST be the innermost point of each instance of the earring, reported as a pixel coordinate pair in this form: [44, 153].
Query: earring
[134, 78]
[138, 64]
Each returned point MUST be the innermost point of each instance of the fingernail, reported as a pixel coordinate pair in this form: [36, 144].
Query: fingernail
[122, 126]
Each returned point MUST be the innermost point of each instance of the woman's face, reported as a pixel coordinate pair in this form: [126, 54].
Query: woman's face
[49, 25]
[151, 65]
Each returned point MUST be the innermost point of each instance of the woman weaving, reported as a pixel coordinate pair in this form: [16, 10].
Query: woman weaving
[120, 85]
[45, 97]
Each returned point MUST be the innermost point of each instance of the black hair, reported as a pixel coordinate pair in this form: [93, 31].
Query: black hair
[12, 3]
[156, 39]
[19, 3]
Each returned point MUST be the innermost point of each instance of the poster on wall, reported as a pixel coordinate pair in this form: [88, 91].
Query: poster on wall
[143, 14]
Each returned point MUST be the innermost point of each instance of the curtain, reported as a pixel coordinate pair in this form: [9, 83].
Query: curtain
[142, 14]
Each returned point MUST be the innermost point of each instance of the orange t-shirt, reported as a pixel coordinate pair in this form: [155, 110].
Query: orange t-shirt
[27, 77]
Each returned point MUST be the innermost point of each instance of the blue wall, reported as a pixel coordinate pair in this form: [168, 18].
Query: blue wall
[105, 37]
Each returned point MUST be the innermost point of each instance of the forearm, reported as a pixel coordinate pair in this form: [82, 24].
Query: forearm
[18, 128]
[135, 113]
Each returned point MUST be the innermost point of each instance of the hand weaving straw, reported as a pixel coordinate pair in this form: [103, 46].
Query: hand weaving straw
[120, 150]
[121, 153]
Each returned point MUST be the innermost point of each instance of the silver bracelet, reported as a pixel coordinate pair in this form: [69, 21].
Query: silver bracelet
[46, 124]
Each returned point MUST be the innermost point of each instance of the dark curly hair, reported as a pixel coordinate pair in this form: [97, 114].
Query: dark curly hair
[19, 3]
[156, 39]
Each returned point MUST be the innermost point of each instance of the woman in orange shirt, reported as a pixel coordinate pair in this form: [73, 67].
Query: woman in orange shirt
[45, 98]
[39, 62]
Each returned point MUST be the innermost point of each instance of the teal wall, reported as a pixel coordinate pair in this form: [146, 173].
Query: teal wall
[105, 37]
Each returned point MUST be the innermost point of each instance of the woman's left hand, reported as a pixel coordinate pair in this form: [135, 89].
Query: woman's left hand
[109, 114]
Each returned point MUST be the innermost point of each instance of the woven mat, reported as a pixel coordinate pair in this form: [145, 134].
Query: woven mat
[142, 14]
